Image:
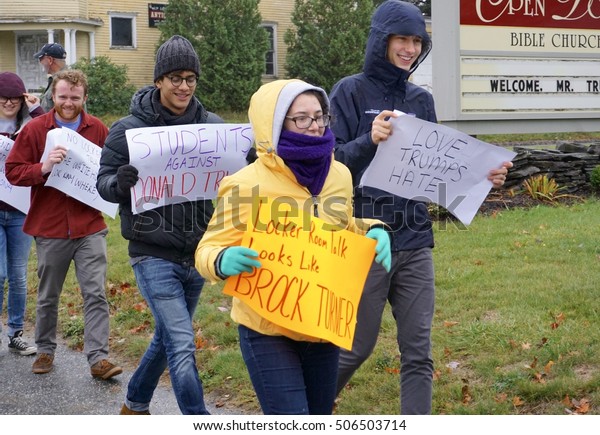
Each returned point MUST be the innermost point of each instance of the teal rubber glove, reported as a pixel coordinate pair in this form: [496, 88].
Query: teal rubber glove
[383, 250]
[238, 259]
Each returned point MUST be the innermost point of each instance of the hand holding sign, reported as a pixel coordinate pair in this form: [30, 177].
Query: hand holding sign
[55, 156]
[381, 129]
[127, 177]
[238, 259]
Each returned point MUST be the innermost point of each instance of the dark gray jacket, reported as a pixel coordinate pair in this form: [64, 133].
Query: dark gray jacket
[355, 102]
[170, 232]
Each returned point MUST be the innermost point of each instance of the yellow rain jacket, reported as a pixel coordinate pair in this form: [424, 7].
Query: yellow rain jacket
[269, 177]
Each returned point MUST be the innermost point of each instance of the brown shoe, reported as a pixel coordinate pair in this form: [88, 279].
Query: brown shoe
[126, 411]
[105, 370]
[42, 364]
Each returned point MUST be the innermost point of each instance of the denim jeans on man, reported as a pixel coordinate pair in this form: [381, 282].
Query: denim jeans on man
[290, 377]
[15, 246]
[172, 292]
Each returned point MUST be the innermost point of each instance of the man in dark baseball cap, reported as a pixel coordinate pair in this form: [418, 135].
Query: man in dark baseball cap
[52, 57]
[54, 50]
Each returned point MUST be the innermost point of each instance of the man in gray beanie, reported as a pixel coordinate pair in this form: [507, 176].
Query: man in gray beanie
[162, 241]
[177, 53]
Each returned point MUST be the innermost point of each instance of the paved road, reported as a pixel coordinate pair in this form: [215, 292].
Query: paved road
[69, 389]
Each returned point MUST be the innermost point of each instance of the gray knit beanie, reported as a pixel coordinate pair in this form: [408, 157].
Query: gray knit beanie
[176, 54]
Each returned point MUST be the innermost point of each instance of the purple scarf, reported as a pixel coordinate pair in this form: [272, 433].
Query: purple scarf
[309, 157]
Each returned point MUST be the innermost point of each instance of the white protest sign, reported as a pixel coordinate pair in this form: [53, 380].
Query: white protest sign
[17, 196]
[185, 162]
[430, 162]
[76, 174]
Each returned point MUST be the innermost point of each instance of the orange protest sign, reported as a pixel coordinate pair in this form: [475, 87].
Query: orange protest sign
[312, 275]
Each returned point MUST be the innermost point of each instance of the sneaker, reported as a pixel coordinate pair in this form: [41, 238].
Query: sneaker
[20, 346]
[42, 364]
[105, 370]
[126, 411]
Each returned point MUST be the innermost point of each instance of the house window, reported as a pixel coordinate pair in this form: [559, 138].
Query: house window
[122, 30]
[271, 54]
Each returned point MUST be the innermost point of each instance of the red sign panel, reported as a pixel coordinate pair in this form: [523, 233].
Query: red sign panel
[570, 14]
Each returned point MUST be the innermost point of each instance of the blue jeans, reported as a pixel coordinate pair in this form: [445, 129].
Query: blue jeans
[14, 255]
[172, 292]
[290, 377]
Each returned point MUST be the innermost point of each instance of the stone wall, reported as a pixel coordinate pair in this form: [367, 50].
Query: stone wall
[569, 164]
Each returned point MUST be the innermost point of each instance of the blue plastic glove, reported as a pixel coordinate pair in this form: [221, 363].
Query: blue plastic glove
[383, 250]
[238, 259]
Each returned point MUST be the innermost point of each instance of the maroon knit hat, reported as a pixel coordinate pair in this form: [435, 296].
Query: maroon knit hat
[11, 85]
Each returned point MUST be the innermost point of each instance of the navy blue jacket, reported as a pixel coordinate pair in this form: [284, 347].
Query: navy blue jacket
[356, 101]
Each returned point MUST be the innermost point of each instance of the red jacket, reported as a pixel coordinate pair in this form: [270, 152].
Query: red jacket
[52, 214]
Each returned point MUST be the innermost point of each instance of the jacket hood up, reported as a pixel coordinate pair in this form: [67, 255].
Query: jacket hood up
[268, 107]
[394, 17]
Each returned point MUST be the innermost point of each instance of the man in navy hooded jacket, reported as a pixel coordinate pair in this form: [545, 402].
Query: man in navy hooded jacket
[362, 105]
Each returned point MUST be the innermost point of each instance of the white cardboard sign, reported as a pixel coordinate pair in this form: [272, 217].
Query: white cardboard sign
[430, 162]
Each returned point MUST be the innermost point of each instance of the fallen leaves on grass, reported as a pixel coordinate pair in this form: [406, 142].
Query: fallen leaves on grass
[537, 376]
[542, 343]
[577, 407]
[533, 363]
[501, 397]
[200, 341]
[517, 401]
[466, 394]
[141, 328]
[140, 306]
[558, 320]
[122, 288]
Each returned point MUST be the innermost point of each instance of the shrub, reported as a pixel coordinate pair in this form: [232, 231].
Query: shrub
[231, 48]
[109, 89]
[319, 54]
[595, 178]
[542, 188]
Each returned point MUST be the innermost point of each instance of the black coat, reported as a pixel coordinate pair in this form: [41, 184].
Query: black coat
[171, 232]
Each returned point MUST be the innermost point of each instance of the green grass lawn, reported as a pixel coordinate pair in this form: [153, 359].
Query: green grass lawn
[516, 323]
[516, 328]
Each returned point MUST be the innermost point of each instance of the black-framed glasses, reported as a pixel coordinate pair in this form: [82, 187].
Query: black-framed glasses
[178, 80]
[304, 121]
[14, 100]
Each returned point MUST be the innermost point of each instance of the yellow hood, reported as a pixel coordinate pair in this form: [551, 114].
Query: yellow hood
[268, 107]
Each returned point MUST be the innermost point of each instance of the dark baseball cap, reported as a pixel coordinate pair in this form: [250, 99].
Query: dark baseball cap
[55, 50]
